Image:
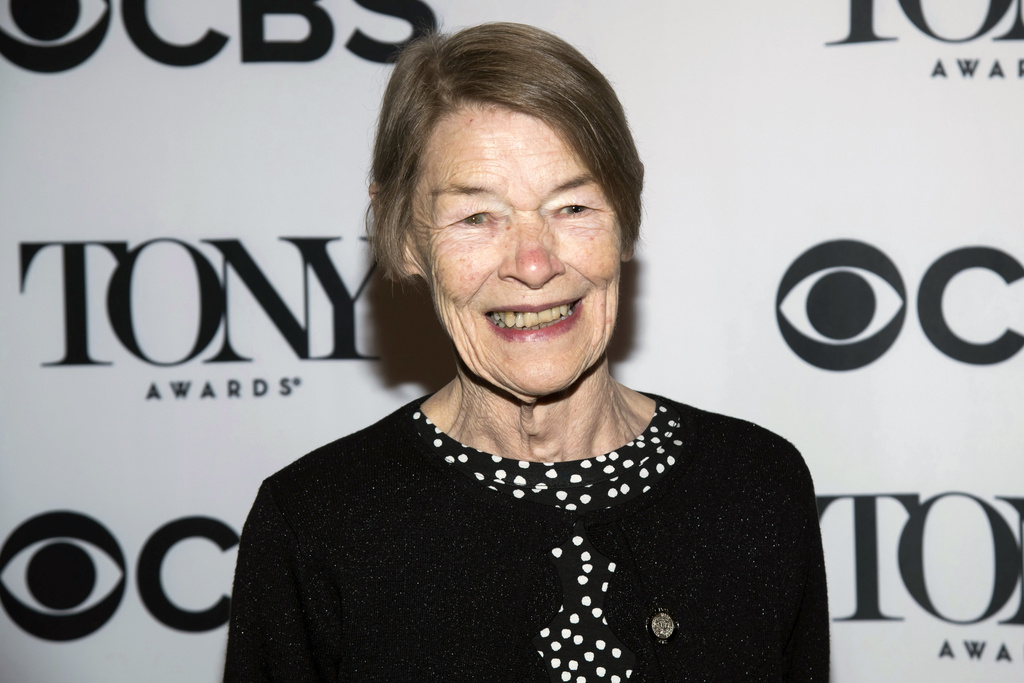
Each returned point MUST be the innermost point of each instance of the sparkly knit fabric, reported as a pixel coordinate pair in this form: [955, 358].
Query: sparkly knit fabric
[372, 559]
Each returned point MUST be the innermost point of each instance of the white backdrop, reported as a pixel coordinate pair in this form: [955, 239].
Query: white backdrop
[134, 193]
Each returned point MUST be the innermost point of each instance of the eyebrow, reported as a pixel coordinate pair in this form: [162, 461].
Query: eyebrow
[472, 190]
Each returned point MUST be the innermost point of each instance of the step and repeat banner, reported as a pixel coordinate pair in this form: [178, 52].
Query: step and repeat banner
[833, 247]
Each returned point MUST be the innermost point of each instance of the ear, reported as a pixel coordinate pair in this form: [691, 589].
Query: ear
[412, 263]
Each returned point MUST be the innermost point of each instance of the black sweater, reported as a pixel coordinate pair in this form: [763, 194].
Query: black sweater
[371, 560]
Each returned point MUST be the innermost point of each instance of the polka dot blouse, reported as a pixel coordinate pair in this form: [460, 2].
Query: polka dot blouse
[578, 645]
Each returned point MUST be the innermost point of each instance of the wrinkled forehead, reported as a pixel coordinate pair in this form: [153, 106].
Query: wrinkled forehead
[480, 150]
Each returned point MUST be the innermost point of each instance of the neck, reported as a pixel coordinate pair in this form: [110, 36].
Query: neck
[594, 416]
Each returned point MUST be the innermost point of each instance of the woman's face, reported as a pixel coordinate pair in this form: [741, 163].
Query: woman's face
[520, 248]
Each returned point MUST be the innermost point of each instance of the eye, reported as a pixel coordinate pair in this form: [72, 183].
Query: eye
[841, 305]
[475, 219]
[573, 209]
[62, 575]
[54, 35]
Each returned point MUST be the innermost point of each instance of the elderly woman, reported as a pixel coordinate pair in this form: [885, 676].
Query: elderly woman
[534, 520]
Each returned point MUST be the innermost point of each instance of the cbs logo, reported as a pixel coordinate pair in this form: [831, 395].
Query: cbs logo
[48, 36]
[842, 304]
[73, 570]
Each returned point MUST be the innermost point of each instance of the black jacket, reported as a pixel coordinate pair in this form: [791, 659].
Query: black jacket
[371, 560]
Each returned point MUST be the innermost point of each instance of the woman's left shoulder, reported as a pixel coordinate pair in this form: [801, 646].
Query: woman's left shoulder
[735, 448]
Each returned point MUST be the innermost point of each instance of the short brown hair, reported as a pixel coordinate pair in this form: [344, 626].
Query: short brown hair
[514, 66]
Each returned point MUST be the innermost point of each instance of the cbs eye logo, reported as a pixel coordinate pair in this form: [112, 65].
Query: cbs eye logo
[50, 42]
[59, 554]
[842, 304]
[63, 575]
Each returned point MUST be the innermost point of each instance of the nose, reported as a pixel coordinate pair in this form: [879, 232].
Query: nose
[531, 252]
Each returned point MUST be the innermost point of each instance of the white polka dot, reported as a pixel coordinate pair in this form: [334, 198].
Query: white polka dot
[596, 612]
[581, 679]
[519, 481]
[566, 634]
[479, 476]
[555, 645]
[612, 493]
[541, 486]
[644, 473]
[668, 435]
[449, 459]
[585, 464]
[604, 587]
[570, 506]
[577, 639]
[640, 444]
[654, 430]
[627, 464]
[641, 437]
[463, 457]
[416, 416]
[551, 474]
[661, 409]
[600, 644]
[670, 460]
[492, 488]
[574, 618]
[427, 420]
[496, 458]
[585, 556]
[646, 489]
[561, 495]
[655, 440]
[546, 632]
[575, 479]
[518, 493]
[500, 474]
[586, 601]
[587, 568]
[604, 621]
[557, 552]
[582, 579]
[616, 652]
[573, 664]
[585, 498]
[601, 671]
[615, 679]
[566, 676]
[601, 458]
[577, 540]
[678, 442]
[629, 672]
[437, 430]
[611, 566]
[523, 464]
[660, 450]
[609, 469]
[589, 656]
[556, 662]
[660, 468]
[624, 489]
[613, 455]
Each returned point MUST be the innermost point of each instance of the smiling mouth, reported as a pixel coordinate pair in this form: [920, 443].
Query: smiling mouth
[529, 320]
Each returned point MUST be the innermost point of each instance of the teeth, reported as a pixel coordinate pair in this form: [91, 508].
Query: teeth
[523, 320]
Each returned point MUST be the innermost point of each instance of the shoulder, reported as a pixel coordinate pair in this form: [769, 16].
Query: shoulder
[376, 461]
[737, 453]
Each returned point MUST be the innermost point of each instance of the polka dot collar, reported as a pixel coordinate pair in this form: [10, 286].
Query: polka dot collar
[580, 485]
